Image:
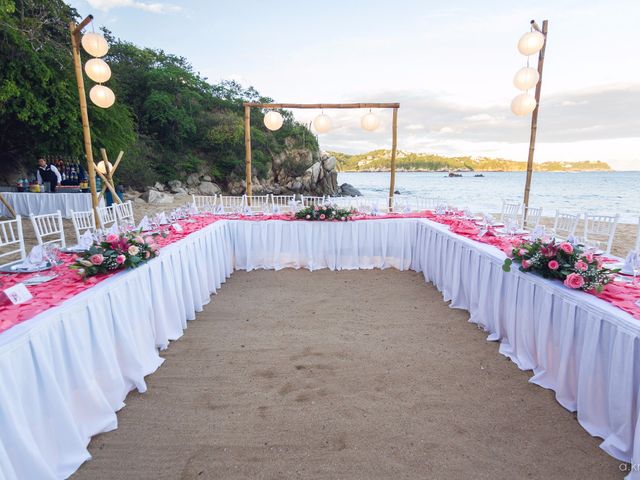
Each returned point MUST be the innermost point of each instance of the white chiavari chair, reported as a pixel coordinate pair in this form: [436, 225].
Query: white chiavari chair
[565, 225]
[532, 218]
[403, 203]
[107, 216]
[232, 204]
[124, 213]
[205, 202]
[599, 231]
[311, 201]
[427, 203]
[372, 204]
[11, 241]
[49, 228]
[258, 203]
[83, 222]
[341, 202]
[283, 203]
[511, 213]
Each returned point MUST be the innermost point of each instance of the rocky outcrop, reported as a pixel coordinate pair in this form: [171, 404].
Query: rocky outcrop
[346, 190]
[157, 198]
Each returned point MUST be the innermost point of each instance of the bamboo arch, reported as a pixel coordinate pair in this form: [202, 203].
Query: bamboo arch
[247, 132]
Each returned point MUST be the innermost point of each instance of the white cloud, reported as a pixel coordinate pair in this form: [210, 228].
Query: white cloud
[415, 126]
[156, 7]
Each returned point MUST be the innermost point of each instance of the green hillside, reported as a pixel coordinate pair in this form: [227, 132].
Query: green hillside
[378, 160]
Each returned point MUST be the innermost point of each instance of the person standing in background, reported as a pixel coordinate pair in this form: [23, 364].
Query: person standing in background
[48, 174]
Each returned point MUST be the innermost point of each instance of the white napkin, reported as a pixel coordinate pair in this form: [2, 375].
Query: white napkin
[275, 209]
[34, 259]
[113, 229]
[247, 211]
[572, 240]
[162, 218]
[145, 224]
[488, 218]
[85, 241]
[629, 261]
[219, 209]
[375, 210]
[538, 232]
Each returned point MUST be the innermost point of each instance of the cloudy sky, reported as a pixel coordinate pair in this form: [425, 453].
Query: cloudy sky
[449, 63]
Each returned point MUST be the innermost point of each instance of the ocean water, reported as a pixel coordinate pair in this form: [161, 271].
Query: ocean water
[594, 192]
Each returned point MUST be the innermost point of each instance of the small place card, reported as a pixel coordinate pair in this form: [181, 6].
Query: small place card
[19, 293]
[177, 227]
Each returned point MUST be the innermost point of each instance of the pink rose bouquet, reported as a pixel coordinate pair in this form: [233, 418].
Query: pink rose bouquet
[569, 263]
[324, 213]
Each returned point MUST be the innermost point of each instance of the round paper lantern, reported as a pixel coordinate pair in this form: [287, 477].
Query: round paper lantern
[102, 96]
[322, 123]
[273, 120]
[370, 122]
[530, 43]
[102, 167]
[526, 78]
[523, 104]
[95, 44]
[97, 70]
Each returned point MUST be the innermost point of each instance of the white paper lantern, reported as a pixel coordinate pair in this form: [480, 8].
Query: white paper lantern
[322, 123]
[95, 44]
[102, 96]
[370, 122]
[273, 120]
[526, 78]
[97, 70]
[530, 43]
[523, 104]
[102, 167]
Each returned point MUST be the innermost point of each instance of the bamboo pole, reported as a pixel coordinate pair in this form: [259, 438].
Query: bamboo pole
[113, 170]
[247, 150]
[6, 204]
[84, 115]
[394, 147]
[321, 105]
[534, 120]
[106, 181]
[109, 175]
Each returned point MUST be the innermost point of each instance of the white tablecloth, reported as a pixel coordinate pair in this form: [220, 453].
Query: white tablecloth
[26, 204]
[64, 373]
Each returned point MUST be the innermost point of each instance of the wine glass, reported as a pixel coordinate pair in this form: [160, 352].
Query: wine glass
[635, 265]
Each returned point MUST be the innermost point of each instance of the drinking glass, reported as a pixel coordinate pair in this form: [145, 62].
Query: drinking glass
[635, 265]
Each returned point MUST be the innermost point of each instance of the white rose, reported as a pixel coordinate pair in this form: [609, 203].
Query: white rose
[133, 250]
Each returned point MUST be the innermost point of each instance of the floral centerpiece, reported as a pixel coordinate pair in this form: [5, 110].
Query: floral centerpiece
[115, 252]
[324, 212]
[577, 268]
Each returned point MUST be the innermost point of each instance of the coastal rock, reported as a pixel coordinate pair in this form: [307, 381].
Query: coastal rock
[154, 197]
[329, 163]
[206, 178]
[179, 192]
[209, 188]
[349, 190]
[159, 187]
[315, 172]
[193, 179]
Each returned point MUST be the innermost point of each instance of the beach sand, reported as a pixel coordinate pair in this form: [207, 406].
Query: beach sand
[352, 375]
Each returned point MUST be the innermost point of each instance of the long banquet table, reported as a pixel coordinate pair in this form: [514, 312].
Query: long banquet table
[25, 203]
[65, 372]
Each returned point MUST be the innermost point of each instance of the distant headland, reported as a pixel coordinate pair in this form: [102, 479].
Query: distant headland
[378, 161]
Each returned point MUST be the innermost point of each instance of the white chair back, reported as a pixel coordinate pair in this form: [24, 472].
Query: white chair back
[403, 203]
[283, 203]
[205, 202]
[427, 203]
[511, 212]
[83, 222]
[565, 224]
[372, 204]
[124, 213]
[599, 231]
[532, 217]
[49, 228]
[232, 204]
[12, 240]
[258, 203]
[311, 201]
[341, 202]
[107, 216]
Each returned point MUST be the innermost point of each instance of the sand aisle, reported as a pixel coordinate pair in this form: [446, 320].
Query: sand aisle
[351, 375]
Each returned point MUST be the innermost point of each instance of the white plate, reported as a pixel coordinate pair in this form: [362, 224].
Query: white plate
[38, 279]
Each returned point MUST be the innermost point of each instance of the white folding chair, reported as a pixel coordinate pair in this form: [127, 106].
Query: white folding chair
[107, 216]
[12, 241]
[49, 228]
[511, 212]
[258, 203]
[83, 222]
[599, 231]
[205, 202]
[565, 225]
[311, 201]
[124, 213]
[232, 204]
[532, 217]
[283, 203]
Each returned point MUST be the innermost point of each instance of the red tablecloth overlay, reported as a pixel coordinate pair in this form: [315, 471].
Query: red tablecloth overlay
[68, 283]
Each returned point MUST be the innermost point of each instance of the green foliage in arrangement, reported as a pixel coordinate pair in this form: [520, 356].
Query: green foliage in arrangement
[324, 213]
[378, 160]
[167, 118]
